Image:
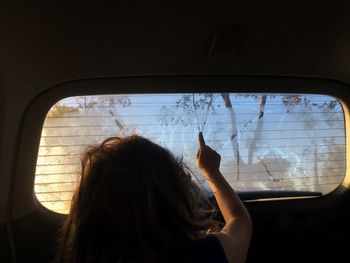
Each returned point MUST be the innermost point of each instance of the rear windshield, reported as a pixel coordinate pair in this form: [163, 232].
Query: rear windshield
[278, 142]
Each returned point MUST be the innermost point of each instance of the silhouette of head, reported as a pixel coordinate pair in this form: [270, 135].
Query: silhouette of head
[135, 201]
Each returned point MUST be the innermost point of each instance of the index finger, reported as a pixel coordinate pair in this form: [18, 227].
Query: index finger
[201, 140]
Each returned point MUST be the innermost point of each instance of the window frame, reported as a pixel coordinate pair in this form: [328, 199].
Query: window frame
[23, 197]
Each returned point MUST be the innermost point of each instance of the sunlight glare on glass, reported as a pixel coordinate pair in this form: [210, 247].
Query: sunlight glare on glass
[284, 142]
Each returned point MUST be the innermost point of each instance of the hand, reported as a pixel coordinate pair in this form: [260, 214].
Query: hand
[207, 160]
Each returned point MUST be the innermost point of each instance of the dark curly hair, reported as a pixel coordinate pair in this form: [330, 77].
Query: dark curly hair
[135, 203]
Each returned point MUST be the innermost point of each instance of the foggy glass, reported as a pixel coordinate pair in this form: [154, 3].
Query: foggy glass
[284, 142]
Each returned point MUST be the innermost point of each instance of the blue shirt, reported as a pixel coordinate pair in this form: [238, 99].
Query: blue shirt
[208, 249]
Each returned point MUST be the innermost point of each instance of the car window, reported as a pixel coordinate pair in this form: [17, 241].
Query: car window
[278, 142]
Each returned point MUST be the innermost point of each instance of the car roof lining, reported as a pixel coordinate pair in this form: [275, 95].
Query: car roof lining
[75, 40]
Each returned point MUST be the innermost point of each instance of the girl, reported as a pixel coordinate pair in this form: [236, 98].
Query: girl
[136, 203]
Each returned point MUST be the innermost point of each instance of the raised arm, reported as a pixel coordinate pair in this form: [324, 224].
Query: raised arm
[236, 234]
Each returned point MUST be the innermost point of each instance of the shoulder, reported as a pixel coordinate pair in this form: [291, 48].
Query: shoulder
[207, 249]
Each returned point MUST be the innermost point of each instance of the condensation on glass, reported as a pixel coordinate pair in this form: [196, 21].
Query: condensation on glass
[284, 142]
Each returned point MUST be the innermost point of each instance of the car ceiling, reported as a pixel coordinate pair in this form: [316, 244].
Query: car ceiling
[47, 43]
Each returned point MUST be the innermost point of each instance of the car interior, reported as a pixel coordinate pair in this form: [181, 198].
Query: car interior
[266, 82]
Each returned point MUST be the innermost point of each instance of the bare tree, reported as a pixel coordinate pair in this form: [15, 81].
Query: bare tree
[234, 132]
[60, 163]
[311, 151]
[258, 129]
